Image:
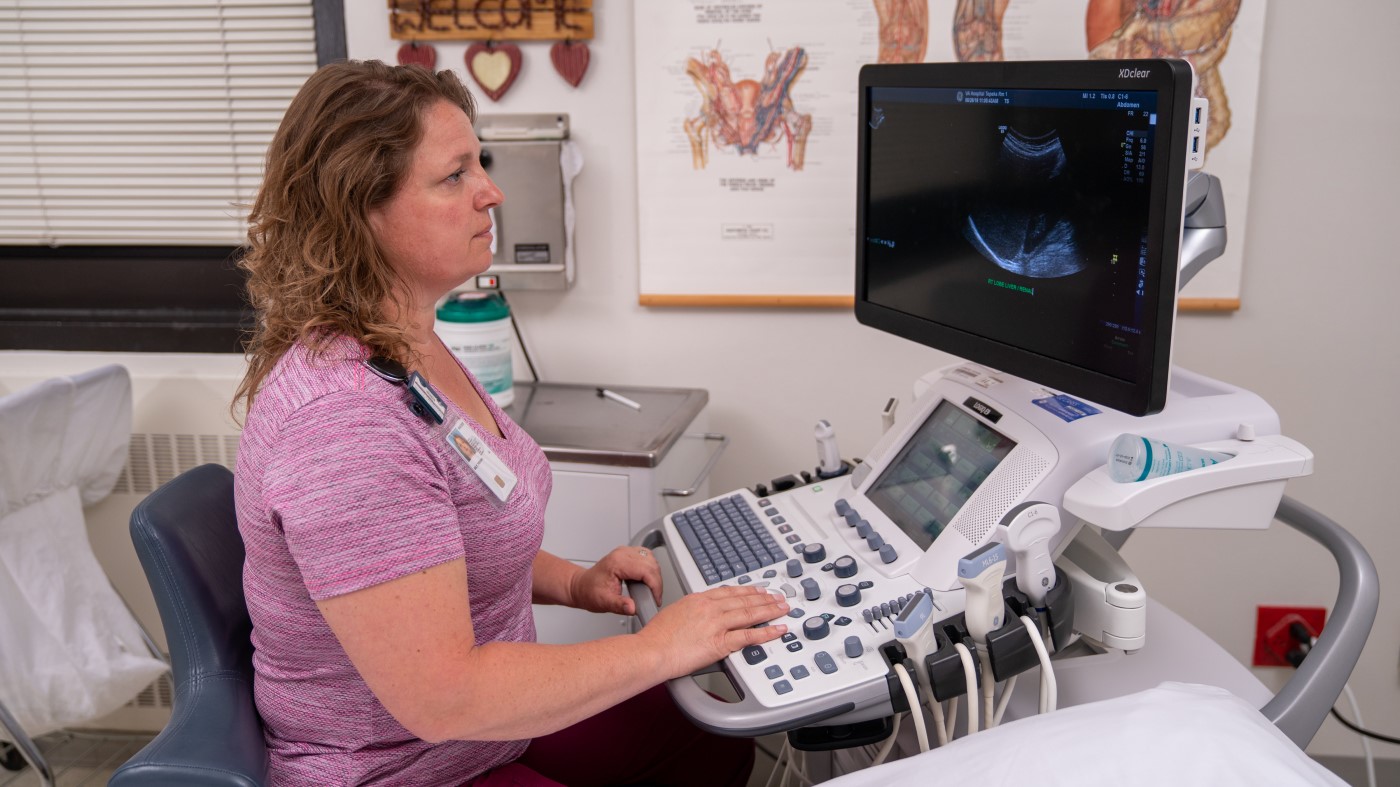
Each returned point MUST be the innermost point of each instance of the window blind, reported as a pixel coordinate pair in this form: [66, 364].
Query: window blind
[142, 122]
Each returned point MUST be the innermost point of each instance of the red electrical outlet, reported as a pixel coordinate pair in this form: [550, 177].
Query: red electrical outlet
[1272, 638]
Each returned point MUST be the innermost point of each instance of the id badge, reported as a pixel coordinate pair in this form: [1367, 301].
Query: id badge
[481, 459]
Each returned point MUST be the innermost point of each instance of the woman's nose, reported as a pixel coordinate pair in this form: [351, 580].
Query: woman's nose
[490, 196]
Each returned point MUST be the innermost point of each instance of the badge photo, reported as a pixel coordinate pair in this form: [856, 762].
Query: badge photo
[481, 459]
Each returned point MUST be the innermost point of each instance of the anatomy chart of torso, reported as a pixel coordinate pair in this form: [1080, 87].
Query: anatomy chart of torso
[746, 122]
[746, 141]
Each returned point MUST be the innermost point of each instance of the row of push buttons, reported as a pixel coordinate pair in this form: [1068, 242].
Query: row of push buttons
[811, 553]
[755, 654]
[866, 531]
[779, 521]
[882, 612]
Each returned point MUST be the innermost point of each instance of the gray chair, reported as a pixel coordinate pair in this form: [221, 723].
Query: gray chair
[186, 535]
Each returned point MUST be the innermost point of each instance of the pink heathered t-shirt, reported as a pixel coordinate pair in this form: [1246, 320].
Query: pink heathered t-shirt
[339, 487]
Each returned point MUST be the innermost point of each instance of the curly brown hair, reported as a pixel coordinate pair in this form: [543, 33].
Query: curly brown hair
[315, 270]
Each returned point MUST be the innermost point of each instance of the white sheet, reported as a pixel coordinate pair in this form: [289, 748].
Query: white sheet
[1176, 734]
[70, 650]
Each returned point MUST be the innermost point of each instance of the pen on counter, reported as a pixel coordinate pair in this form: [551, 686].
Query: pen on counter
[619, 398]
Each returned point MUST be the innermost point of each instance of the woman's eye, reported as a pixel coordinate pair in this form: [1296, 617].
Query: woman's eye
[456, 176]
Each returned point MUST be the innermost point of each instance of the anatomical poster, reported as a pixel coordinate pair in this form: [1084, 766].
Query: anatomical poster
[746, 123]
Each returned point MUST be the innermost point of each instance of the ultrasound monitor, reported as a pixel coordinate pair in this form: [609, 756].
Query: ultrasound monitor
[1027, 216]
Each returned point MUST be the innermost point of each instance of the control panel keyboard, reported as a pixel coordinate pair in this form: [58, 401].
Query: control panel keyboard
[834, 579]
[726, 538]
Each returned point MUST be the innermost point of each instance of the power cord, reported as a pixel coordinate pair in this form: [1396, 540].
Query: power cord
[1304, 643]
[888, 745]
[1049, 689]
[520, 339]
[912, 697]
[1363, 732]
[970, 677]
[935, 709]
[1005, 700]
[794, 767]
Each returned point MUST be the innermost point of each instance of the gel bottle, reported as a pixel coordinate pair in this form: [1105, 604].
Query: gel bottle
[1136, 458]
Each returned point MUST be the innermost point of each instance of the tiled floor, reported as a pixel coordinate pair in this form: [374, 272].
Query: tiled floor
[80, 758]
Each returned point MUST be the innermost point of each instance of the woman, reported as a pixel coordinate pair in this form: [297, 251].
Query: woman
[388, 582]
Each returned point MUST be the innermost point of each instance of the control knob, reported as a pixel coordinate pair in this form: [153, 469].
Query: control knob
[848, 595]
[814, 553]
[815, 628]
[794, 568]
[845, 567]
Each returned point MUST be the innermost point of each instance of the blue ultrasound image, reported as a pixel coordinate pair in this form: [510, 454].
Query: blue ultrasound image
[1024, 229]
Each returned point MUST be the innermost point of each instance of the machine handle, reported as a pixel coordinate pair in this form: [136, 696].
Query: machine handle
[1301, 706]
[704, 471]
[746, 718]
[652, 538]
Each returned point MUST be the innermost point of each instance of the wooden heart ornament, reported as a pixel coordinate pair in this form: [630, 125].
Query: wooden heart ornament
[494, 67]
[416, 54]
[570, 60]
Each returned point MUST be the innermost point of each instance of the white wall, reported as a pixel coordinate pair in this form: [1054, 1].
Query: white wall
[1315, 334]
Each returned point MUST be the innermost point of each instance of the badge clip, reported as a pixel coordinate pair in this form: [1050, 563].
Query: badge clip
[426, 403]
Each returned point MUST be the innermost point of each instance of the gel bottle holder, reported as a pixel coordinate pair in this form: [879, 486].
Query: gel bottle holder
[1136, 458]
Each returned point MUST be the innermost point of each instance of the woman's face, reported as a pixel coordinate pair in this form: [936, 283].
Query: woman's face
[435, 230]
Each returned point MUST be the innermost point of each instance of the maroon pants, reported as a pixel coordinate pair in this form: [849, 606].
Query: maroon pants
[644, 740]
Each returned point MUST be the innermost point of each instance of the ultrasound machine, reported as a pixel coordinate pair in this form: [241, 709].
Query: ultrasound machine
[1037, 221]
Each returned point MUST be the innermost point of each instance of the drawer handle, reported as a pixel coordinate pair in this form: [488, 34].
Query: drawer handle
[723, 441]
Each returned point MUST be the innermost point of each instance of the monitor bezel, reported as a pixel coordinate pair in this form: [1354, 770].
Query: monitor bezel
[1146, 393]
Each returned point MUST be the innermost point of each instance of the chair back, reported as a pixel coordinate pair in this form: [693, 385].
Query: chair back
[186, 535]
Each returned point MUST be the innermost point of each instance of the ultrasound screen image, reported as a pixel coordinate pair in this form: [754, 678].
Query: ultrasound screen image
[1016, 215]
[1024, 229]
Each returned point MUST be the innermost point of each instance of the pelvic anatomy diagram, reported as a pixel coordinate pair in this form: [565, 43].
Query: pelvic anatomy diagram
[744, 114]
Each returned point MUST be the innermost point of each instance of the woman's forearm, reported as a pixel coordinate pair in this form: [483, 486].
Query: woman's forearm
[553, 580]
[513, 690]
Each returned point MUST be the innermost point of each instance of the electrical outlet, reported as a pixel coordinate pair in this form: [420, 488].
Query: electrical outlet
[1272, 639]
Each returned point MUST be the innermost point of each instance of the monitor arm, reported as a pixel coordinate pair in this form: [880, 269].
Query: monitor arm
[1203, 235]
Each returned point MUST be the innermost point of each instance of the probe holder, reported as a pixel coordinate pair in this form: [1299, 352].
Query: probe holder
[1009, 648]
[945, 670]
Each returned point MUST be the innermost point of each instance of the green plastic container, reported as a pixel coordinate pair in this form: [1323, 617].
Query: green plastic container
[476, 327]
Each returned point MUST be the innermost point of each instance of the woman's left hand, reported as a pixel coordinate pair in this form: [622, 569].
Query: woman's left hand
[599, 589]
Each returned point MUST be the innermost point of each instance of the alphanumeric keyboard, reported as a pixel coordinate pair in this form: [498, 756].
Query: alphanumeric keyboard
[726, 538]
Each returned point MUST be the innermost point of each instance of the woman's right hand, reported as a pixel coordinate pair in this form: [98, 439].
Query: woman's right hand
[702, 628]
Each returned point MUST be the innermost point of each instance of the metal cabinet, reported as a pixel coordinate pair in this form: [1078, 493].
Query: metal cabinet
[616, 470]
